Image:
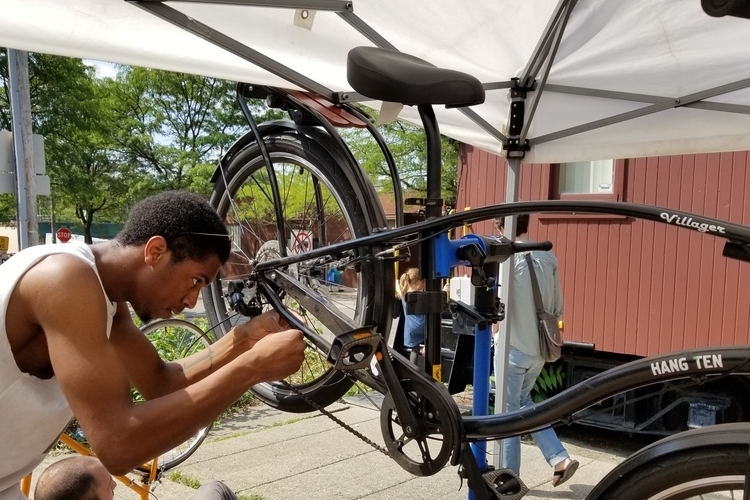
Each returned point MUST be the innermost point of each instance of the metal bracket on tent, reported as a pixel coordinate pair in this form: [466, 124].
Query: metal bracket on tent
[516, 149]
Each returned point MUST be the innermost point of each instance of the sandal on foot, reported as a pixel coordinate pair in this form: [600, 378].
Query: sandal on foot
[563, 475]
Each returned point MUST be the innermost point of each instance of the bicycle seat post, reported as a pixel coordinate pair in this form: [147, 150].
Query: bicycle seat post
[433, 209]
[391, 76]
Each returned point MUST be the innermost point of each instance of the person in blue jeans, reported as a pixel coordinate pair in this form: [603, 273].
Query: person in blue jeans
[411, 281]
[525, 361]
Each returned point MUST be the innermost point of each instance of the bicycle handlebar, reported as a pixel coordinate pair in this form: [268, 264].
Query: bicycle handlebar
[528, 246]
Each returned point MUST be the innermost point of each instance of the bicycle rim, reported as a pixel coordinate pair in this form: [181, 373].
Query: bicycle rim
[704, 473]
[320, 208]
[709, 488]
[175, 339]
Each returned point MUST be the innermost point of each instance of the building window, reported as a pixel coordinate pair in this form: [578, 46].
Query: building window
[587, 177]
[588, 180]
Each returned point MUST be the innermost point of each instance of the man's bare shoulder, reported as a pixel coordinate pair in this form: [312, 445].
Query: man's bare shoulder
[59, 279]
[62, 269]
[50, 295]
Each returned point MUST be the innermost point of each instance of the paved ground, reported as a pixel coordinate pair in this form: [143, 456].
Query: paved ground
[268, 455]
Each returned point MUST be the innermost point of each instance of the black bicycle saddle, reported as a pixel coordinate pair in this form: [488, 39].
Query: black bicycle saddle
[389, 75]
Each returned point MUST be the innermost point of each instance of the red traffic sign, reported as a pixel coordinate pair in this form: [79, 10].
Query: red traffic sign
[64, 235]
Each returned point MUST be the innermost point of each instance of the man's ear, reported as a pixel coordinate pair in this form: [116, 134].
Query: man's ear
[156, 249]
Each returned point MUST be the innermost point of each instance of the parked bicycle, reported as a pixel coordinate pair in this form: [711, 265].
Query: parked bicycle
[289, 176]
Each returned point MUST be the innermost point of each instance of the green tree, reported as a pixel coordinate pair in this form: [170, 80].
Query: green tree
[95, 178]
[71, 110]
[409, 148]
[174, 126]
[7, 208]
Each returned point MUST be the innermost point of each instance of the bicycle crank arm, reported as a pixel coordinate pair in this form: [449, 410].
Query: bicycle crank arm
[393, 382]
[435, 411]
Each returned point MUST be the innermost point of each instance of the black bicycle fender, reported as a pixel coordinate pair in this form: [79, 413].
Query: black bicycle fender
[715, 435]
[249, 138]
[357, 178]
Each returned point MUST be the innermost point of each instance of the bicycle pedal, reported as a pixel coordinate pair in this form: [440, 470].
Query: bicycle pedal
[353, 350]
[505, 484]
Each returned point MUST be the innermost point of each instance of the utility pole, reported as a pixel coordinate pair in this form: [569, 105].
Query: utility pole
[20, 105]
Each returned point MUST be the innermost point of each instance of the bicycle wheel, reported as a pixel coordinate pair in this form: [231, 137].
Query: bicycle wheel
[175, 339]
[708, 473]
[321, 206]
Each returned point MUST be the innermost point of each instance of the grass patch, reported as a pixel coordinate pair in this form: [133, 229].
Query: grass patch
[252, 496]
[358, 388]
[233, 435]
[286, 422]
[245, 402]
[180, 478]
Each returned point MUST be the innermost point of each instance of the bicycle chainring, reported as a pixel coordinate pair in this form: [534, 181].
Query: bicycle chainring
[431, 446]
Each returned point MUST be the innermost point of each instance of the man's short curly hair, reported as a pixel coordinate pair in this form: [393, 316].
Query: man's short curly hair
[193, 230]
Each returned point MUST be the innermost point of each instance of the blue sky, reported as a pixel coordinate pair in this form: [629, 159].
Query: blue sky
[103, 69]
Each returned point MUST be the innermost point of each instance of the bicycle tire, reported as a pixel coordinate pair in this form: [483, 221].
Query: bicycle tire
[177, 338]
[335, 198]
[700, 473]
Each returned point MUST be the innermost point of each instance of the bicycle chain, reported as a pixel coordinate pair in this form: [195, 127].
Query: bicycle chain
[328, 414]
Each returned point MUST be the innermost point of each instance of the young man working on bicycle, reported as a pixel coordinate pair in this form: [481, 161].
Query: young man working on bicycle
[68, 345]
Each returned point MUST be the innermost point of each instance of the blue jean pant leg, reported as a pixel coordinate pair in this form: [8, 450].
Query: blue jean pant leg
[523, 371]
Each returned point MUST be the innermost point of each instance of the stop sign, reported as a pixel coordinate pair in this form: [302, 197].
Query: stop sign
[64, 235]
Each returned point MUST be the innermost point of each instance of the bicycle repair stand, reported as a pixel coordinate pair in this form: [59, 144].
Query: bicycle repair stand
[484, 254]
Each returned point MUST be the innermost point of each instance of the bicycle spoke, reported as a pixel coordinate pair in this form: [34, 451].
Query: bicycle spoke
[316, 202]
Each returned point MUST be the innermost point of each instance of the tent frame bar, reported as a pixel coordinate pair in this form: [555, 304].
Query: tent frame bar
[695, 98]
[551, 45]
[652, 99]
[366, 30]
[538, 66]
[327, 5]
[541, 50]
[177, 18]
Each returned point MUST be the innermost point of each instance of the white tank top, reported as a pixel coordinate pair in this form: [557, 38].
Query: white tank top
[33, 411]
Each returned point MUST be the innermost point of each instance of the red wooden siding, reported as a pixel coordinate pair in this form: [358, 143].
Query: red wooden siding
[633, 286]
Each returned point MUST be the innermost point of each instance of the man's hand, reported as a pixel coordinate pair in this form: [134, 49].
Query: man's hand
[276, 356]
[260, 326]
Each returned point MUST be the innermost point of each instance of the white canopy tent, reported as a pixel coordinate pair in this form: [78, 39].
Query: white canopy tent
[601, 78]
[615, 58]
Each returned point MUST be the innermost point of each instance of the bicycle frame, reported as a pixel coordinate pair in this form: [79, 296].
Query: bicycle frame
[680, 365]
[699, 365]
[487, 427]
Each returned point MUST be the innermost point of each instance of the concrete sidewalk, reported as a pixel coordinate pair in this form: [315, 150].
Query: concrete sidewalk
[270, 455]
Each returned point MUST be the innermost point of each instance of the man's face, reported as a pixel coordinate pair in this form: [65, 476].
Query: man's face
[168, 287]
[105, 484]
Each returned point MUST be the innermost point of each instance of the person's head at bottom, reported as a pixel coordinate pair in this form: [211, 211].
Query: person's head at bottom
[75, 478]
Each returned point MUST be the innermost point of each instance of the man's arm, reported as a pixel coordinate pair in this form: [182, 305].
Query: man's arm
[154, 377]
[96, 383]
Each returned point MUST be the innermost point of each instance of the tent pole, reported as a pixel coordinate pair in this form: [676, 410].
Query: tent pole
[502, 339]
[20, 106]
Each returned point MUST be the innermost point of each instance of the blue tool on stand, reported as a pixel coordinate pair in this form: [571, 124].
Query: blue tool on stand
[484, 254]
